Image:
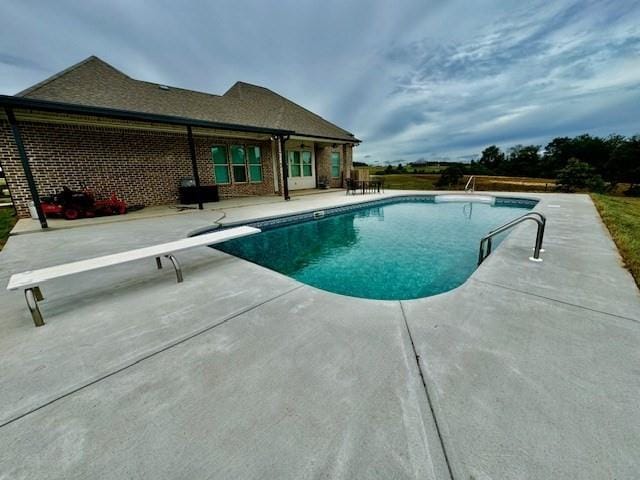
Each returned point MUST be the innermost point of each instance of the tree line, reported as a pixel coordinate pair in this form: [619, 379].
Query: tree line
[584, 161]
[611, 160]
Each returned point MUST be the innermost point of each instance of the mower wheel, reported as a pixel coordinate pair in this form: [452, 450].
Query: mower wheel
[71, 213]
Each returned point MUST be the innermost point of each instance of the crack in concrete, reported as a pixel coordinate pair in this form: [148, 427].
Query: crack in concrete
[148, 356]
[426, 391]
[622, 317]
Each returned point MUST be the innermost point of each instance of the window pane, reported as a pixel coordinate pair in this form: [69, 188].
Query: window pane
[237, 155]
[239, 173]
[335, 164]
[306, 164]
[255, 173]
[254, 155]
[222, 174]
[219, 155]
[294, 163]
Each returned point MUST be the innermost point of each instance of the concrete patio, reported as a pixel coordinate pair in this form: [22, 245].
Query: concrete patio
[526, 371]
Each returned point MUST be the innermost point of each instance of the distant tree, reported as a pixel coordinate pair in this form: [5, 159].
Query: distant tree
[360, 164]
[523, 161]
[492, 159]
[592, 150]
[578, 175]
[556, 155]
[624, 162]
[450, 176]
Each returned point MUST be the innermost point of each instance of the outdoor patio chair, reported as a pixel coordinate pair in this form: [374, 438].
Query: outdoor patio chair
[352, 186]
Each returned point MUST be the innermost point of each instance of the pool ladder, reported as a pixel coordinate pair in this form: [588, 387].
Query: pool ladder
[470, 187]
[541, 221]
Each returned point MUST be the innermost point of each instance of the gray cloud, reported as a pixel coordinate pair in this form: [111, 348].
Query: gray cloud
[414, 79]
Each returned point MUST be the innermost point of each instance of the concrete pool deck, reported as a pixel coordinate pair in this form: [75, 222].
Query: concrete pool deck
[525, 371]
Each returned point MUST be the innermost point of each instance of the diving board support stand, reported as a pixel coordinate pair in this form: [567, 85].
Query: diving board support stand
[34, 295]
[176, 266]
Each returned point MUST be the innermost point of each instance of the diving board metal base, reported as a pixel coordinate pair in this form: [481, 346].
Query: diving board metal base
[34, 295]
[176, 266]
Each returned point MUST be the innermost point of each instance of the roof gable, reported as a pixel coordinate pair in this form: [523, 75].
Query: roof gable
[94, 82]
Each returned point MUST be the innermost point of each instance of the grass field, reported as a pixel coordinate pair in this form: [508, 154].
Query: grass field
[621, 215]
[7, 221]
[421, 169]
[483, 183]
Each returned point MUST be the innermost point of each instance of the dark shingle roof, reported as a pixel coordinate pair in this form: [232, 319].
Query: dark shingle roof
[95, 83]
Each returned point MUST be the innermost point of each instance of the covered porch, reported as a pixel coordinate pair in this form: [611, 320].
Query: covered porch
[210, 209]
[142, 158]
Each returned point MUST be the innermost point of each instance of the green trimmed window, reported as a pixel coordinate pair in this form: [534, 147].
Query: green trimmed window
[255, 164]
[220, 164]
[239, 163]
[335, 164]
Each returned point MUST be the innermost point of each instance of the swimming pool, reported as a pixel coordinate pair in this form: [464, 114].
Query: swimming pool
[397, 249]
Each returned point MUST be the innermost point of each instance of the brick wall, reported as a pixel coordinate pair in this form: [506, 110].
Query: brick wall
[323, 163]
[142, 167]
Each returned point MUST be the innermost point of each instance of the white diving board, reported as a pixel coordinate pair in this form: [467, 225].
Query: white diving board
[30, 280]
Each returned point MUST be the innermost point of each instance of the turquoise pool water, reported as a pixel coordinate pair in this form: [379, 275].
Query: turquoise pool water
[397, 251]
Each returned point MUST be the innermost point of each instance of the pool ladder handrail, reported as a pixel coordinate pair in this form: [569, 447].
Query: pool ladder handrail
[470, 187]
[537, 217]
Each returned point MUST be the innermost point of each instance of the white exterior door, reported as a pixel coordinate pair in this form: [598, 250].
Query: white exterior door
[302, 169]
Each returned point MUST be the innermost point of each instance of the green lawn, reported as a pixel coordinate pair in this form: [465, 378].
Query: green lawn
[622, 217]
[408, 182]
[7, 221]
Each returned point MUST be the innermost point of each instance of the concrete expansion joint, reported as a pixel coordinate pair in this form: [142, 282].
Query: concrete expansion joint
[148, 355]
[426, 391]
[524, 292]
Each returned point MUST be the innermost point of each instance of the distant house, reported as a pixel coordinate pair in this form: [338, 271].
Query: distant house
[93, 125]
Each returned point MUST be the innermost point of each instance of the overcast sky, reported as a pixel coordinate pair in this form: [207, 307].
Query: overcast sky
[412, 79]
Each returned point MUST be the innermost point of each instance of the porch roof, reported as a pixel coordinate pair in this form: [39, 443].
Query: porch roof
[8, 101]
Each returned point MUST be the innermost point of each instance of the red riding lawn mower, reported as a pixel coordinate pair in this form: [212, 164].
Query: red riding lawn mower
[77, 204]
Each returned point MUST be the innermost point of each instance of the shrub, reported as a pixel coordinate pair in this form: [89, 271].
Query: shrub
[450, 176]
[633, 191]
[596, 184]
[578, 175]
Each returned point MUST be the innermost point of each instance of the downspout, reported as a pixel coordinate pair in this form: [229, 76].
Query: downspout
[17, 137]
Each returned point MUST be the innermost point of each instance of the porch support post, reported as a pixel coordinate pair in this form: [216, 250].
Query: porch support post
[33, 189]
[194, 165]
[285, 166]
[345, 174]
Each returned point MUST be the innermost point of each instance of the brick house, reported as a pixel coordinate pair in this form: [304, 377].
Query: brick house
[92, 125]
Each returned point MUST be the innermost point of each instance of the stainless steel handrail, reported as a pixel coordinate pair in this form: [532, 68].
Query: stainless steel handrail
[537, 217]
[473, 186]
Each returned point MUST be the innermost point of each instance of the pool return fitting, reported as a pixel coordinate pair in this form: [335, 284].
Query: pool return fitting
[541, 221]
